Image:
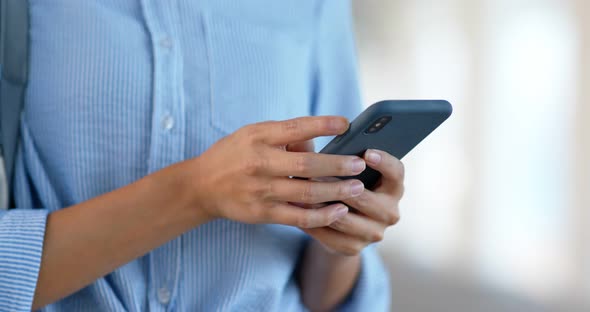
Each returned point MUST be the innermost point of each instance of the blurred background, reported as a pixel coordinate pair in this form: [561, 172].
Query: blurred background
[496, 215]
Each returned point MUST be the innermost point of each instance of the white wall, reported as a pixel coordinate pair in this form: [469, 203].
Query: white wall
[497, 197]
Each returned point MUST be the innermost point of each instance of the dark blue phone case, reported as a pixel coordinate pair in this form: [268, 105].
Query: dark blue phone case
[411, 122]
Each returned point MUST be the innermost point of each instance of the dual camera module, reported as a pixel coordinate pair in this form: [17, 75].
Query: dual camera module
[378, 124]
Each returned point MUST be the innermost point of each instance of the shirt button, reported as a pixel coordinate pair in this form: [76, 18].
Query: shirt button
[163, 295]
[166, 43]
[167, 122]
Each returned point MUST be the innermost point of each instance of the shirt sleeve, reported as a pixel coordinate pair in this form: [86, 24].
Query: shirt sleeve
[372, 289]
[336, 91]
[22, 233]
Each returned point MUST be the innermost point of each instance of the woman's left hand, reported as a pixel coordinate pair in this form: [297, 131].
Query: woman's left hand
[376, 210]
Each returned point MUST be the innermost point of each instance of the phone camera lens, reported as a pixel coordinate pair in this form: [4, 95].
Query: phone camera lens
[378, 124]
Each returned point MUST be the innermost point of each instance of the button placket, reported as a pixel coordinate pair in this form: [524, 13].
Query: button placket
[168, 136]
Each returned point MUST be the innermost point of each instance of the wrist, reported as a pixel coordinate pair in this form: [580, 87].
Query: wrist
[180, 187]
[330, 257]
[326, 278]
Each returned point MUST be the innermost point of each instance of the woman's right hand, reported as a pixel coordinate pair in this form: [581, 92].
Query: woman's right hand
[246, 176]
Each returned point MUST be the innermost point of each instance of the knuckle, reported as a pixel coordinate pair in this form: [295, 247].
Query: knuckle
[303, 164]
[304, 221]
[377, 236]
[392, 217]
[270, 190]
[361, 201]
[400, 171]
[339, 224]
[290, 126]
[343, 167]
[253, 165]
[342, 190]
[250, 132]
[261, 191]
[402, 190]
[307, 193]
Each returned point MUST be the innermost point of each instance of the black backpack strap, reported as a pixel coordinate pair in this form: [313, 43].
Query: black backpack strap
[14, 55]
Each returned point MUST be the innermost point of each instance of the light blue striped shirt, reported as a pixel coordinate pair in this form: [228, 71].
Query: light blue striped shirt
[121, 88]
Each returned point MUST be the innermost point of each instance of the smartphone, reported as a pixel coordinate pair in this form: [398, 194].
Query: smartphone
[395, 127]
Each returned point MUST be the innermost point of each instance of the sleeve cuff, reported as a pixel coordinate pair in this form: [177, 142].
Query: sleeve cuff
[22, 233]
[372, 291]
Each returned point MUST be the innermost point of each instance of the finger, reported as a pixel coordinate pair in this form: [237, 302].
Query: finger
[281, 163]
[391, 169]
[305, 146]
[302, 129]
[312, 192]
[287, 214]
[336, 241]
[360, 227]
[378, 206]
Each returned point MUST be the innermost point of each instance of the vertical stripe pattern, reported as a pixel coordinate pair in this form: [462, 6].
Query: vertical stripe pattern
[121, 88]
[21, 244]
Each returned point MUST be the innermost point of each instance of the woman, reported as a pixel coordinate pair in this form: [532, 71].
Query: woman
[146, 178]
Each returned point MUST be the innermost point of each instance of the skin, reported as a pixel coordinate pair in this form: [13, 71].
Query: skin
[331, 262]
[243, 177]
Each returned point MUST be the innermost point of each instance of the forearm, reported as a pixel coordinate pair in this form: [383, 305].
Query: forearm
[89, 240]
[326, 279]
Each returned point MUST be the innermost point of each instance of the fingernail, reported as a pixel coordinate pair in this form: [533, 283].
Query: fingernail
[357, 188]
[358, 165]
[373, 157]
[340, 212]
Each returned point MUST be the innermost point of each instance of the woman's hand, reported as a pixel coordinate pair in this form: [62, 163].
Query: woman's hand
[245, 176]
[377, 209]
[330, 264]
